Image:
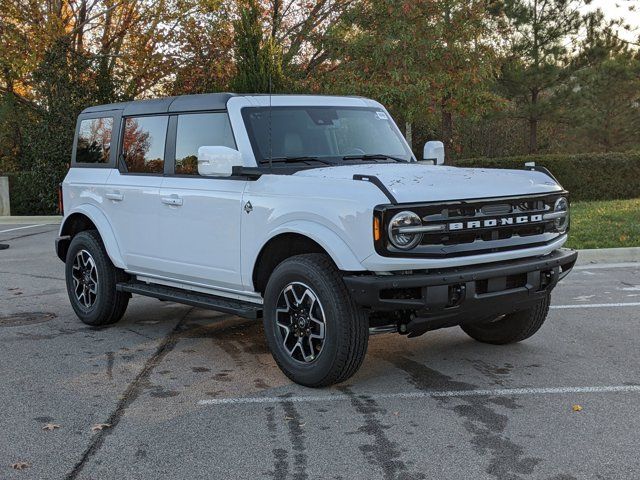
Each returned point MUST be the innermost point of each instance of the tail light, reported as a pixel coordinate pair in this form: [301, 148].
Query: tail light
[60, 200]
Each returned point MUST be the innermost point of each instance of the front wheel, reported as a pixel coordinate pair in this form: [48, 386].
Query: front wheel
[510, 328]
[316, 334]
[91, 281]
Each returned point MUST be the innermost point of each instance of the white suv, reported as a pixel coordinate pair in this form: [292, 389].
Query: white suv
[311, 213]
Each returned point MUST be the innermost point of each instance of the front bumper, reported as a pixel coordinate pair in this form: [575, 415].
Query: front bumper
[453, 296]
[62, 245]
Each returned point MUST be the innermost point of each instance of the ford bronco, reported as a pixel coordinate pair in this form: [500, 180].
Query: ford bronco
[311, 213]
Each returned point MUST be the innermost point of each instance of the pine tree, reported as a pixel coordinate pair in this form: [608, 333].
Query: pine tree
[539, 60]
[258, 57]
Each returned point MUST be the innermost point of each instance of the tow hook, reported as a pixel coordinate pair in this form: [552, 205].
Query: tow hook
[456, 295]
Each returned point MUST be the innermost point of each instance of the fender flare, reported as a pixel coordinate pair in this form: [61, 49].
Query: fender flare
[331, 242]
[105, 230]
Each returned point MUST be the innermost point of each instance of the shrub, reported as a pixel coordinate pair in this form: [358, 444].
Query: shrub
[593, 176]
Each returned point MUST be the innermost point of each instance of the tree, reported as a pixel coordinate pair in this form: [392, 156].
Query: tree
[258, 57]
[284, 39]
[465, 61]
[606, 104]
[301, 28]
[539, 57]
[204, 48]
[424, 59]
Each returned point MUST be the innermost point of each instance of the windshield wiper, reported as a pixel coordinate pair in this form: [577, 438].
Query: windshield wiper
[374, 156]
[296, 159]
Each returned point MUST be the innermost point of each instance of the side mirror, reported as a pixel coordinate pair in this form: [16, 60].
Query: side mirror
[217, 161]
[434, 152]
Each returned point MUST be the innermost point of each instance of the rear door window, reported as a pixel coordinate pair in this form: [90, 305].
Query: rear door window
[199, 130]
[143, 144]
[94, 140]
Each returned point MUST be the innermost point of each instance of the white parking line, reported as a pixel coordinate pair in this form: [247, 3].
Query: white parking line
[597, 305]
[22, 228]
[502, 392]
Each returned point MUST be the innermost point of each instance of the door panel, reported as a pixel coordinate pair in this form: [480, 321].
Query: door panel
[200, 230]
[132, 205]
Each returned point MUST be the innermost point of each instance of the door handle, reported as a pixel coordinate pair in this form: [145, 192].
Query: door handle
[116, 196]
[174, 200]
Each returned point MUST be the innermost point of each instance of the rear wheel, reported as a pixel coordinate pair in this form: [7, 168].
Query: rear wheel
[510, 328]
[91, 281]
[315, 332]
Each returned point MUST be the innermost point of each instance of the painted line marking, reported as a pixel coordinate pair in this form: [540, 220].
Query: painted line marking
[503, 392]
[597, 305]
[28, 226]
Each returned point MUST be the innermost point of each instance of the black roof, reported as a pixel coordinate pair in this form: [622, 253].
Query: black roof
[183, 103]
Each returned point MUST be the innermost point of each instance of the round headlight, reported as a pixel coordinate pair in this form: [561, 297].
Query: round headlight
[561, 223]
[405, 240]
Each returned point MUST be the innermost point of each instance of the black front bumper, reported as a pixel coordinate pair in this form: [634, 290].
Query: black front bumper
[447, 297]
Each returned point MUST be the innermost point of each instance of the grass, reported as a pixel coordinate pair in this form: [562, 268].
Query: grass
[605, 224]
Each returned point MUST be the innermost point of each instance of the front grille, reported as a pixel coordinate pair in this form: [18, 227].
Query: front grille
[483, 225]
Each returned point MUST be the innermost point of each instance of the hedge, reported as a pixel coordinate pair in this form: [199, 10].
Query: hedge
[33, 193]
[593, 176]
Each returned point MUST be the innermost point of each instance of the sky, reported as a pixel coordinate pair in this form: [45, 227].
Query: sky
[620, 9]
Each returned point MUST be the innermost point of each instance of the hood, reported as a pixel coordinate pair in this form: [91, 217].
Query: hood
[413, 182]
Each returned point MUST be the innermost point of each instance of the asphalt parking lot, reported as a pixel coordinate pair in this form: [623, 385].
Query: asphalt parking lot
[191, 393]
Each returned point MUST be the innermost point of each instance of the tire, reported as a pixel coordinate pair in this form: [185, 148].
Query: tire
[314, 280]
[511, 328]
[106, 305]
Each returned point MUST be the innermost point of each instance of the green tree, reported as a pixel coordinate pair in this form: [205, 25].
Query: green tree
[604, 105]
[430, 61]
[539, 59]
[258, 57]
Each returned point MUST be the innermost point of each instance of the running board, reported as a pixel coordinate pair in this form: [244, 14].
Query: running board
[195, 299]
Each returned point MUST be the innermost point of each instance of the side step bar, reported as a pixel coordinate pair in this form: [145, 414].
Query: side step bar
[195, 299]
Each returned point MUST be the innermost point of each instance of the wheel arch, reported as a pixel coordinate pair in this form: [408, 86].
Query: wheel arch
[89, 217]
[297, 239]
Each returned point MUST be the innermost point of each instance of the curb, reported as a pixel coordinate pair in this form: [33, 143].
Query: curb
[608, 255]
[28, 220]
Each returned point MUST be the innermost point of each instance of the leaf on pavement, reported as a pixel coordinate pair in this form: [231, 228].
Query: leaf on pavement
[577, 408]
[51, 426]
[20, 465]
[100, 426]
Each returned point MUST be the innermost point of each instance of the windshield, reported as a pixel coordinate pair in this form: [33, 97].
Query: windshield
[325, 133]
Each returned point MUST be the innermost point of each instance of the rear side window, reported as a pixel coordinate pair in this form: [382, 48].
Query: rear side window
[200, 130]
[94, 140]
[143, 144]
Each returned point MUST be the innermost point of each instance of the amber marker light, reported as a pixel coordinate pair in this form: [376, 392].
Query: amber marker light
[376, 228]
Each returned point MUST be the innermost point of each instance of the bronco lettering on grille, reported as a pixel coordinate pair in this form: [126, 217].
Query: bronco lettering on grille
[494, 222]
